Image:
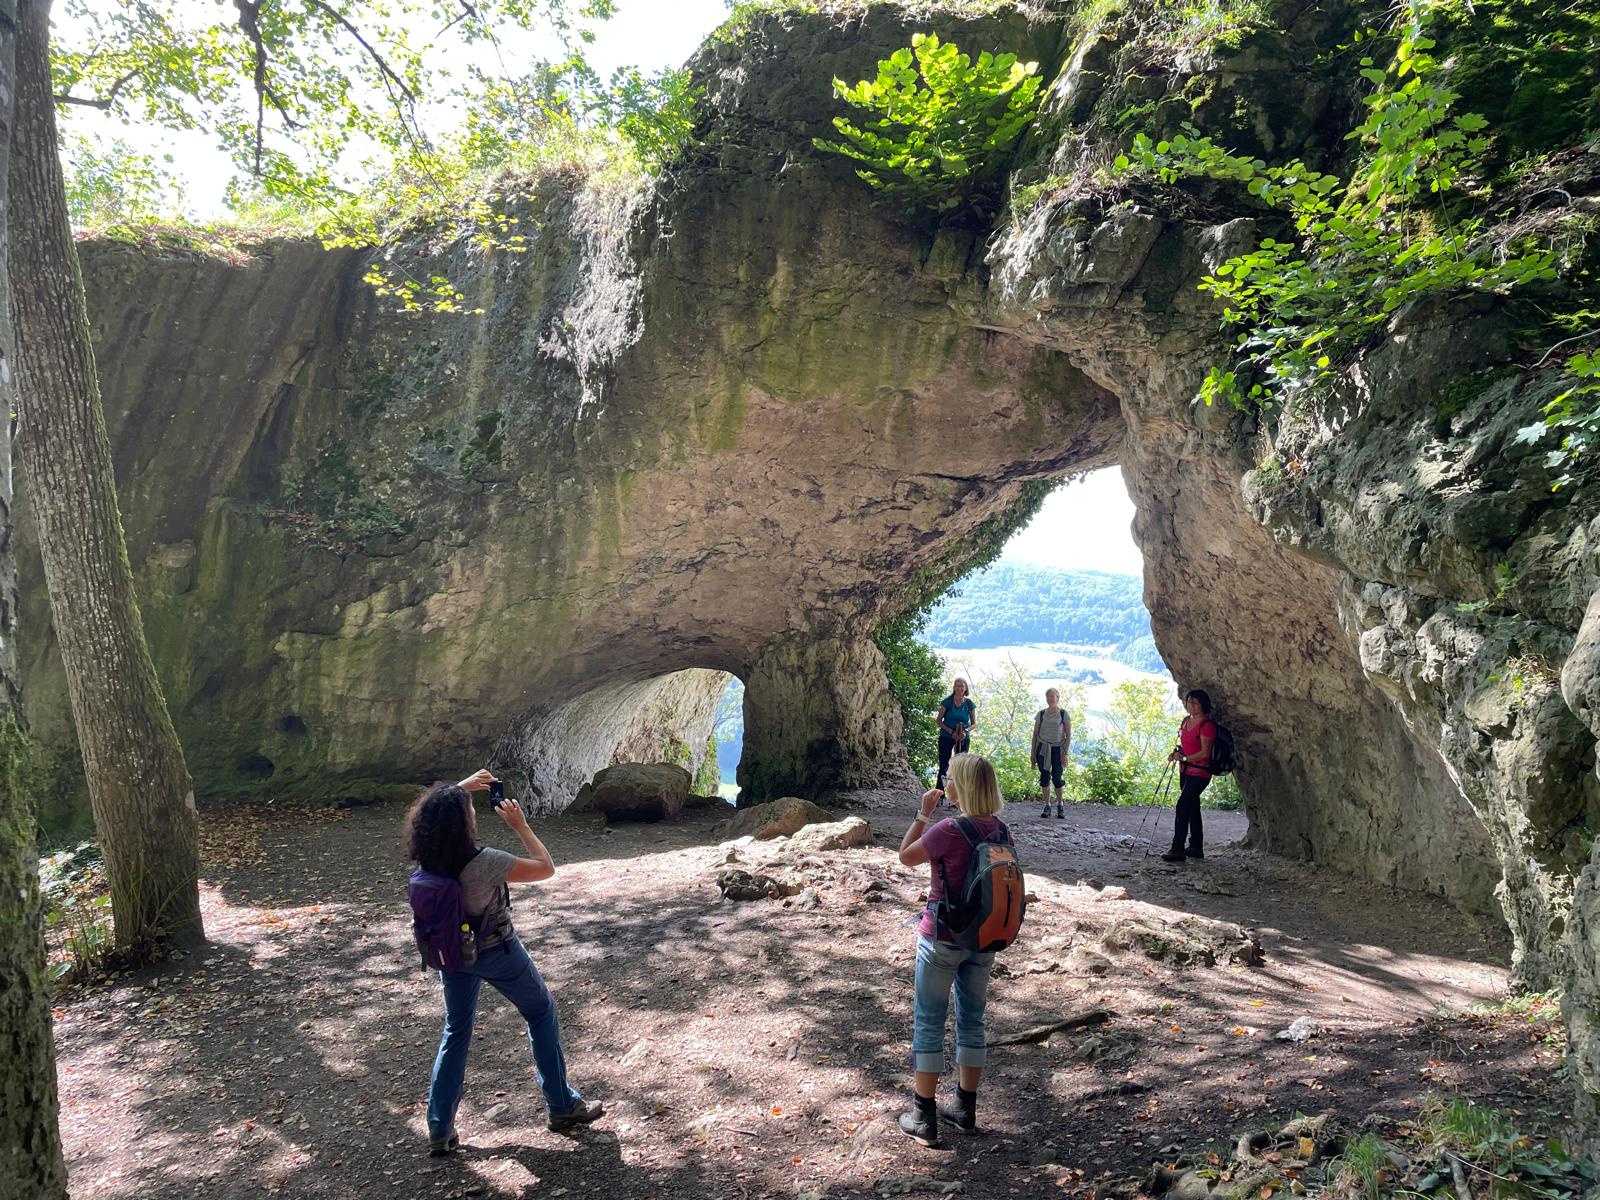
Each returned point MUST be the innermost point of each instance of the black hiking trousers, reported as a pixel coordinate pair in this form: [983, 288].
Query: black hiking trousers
[948, 749]
[1186, 825]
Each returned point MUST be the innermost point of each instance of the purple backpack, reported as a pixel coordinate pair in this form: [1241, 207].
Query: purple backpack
[439, 922]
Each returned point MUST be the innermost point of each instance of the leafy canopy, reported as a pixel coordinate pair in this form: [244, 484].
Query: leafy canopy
[939, 125]
[352, 112]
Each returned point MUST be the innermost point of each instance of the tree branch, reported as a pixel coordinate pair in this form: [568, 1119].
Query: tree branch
[249, 22]
[103, 103]
[382, 64]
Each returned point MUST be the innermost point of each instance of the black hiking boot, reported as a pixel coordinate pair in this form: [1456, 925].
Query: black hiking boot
[1194, 854]
[1046, 811]
[963, 1114]
[1173, 856]
[438, 1147]
[582, 1115]
[1060, 811]
[921, 1124]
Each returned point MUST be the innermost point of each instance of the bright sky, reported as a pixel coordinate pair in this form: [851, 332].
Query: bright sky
[1084, 526]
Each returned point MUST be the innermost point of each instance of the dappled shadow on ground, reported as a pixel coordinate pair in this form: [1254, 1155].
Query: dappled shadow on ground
[743, 1049]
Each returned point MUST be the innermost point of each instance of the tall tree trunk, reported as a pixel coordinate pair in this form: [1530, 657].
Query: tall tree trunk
[138, 782]
[30, 1139]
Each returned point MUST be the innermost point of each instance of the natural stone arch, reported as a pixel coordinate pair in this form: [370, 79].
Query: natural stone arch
[725, 424]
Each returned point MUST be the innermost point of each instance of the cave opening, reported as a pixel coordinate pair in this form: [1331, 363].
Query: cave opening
[1062, 607]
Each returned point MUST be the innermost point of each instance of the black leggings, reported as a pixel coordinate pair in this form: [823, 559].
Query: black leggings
[1187, 822]
[947, 749]
[1049, 764]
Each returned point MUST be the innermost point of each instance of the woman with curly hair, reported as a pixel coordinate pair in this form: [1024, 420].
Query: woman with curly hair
[441, 835]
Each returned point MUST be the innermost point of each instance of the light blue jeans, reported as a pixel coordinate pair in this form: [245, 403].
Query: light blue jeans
[940, 964]
[514, 976]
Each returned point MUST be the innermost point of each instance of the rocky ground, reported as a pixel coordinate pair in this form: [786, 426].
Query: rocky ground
[755, 1049]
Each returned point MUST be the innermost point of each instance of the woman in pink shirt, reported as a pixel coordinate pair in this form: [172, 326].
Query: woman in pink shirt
[1193, 753]
[941, 963]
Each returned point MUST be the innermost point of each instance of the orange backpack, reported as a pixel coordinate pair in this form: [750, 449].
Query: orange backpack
[993, 897]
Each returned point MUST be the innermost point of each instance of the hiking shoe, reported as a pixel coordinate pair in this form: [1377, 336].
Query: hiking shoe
[582, 1115]
[1061, 812]
[438, 1147]
[1194, 854]
[1173, 856]
[921, 1124]
[1046, 811]
[963, 1114]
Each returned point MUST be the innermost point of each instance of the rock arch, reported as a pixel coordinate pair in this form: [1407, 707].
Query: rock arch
[726, 423]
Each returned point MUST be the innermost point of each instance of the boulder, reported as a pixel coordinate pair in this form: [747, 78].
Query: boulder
[739, 884]
[1189, 942]
[832, 835]
[776, 818]
[635, 792]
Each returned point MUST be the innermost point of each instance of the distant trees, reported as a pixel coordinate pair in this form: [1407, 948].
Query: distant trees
[1017, 603]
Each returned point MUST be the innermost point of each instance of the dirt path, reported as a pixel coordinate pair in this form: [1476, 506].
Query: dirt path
[759, 1049]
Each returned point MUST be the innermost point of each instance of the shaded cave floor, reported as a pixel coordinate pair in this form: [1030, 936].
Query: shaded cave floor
[759, 1049]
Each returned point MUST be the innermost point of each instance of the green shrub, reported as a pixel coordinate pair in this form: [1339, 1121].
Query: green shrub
[939, 127]
[1392, 234]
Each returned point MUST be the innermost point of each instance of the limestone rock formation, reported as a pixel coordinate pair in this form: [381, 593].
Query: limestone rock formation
[635, 792]
[776, 818]
[831, 835]
[730, 422]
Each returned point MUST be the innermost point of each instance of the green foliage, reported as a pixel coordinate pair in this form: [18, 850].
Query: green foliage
[1127, 763]
[916, 681]
[1360, 1167]
[327, 114]
[1574, 416]
[708, 779]
[940, 126]
[1390, 235]
[1506, 1162]
[333, 503]
[111, 184]
[1181, 24]
[1531, 66]
[77, 912]
[653, 114]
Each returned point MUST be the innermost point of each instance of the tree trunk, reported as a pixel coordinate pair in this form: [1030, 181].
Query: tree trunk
[138, 783]
[30, 1139]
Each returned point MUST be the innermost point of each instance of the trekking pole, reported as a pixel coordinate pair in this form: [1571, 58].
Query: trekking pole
[1159, 799]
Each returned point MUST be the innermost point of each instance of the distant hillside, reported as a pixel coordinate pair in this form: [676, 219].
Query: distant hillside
[1014, 603]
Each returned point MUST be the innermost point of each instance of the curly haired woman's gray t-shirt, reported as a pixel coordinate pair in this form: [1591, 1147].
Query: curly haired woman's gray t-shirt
[483, 893]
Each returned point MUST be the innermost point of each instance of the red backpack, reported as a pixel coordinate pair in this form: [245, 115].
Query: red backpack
[994, 896]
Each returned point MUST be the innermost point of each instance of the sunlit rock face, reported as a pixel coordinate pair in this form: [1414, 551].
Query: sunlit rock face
[726, 422]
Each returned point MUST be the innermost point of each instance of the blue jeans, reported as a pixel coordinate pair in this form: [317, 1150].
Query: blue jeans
[513, 974]
[939, 964]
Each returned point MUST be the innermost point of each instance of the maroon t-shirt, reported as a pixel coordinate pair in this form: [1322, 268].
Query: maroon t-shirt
[1189, 742]
[947, 846]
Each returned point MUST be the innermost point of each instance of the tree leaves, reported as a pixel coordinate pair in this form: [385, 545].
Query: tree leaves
[1366, 247]
[938, 126]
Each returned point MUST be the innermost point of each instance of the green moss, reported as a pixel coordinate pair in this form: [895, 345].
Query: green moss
[1462, 392]
[485, 447]
[341, 505]
[729, 420]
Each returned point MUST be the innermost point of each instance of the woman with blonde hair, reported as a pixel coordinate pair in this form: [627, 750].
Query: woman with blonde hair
[941, 963]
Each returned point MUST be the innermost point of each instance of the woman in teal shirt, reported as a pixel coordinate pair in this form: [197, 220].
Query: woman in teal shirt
[958, 714]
